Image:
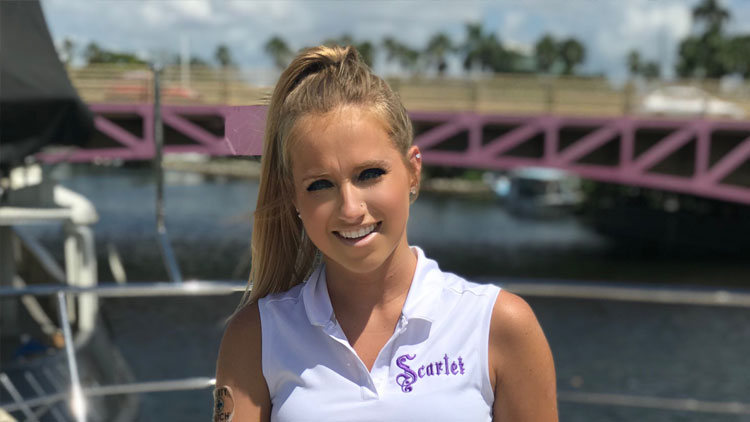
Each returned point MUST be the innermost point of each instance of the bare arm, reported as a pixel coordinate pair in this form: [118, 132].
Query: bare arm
[521, 366]
[241, 393]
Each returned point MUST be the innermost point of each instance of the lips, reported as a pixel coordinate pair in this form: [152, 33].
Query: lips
[358, 234]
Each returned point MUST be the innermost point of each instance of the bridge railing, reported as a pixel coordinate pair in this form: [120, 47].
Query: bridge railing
[500, 93]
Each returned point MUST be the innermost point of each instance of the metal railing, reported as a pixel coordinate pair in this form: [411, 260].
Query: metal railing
[79, 393]
[544, 288]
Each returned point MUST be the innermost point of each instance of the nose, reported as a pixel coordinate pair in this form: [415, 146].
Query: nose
[351, 205]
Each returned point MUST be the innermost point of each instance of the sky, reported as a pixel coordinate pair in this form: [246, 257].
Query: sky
[607, 28]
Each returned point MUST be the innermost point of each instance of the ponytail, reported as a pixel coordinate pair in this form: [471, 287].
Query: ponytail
[317, 81]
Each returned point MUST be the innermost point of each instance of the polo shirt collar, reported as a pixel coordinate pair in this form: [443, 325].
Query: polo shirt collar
[422, 301]
[315, 298]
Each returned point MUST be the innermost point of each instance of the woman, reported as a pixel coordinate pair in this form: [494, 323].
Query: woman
[346, 321]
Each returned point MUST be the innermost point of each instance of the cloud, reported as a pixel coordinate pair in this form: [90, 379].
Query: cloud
[608, 28]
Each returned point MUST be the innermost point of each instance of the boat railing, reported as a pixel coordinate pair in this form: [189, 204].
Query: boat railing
[77, 395]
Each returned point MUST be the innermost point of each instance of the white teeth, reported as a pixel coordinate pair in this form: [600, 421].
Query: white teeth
[358, 233]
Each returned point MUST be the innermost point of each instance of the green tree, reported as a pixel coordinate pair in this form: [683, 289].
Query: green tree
[572, 53]
[704, 54]
[405, 56]
[546, 53]
[736, 55]
[223, 56]
[279, 51]
[366, 48]
[93, 53]
[439, 46]
[366, 51]
[636, 66]
[634, 62]
[650, 70]
[711, 15]
[68, 50]
[482, 50]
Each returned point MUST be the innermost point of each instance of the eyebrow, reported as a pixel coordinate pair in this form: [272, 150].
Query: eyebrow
[362, 166]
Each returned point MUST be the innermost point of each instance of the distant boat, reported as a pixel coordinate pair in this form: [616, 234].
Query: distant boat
[539, 192]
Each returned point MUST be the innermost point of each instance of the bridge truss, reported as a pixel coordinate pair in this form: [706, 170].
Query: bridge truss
[708, 158]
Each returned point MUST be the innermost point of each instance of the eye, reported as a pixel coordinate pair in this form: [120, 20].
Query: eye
[318, 185]
[370, 174]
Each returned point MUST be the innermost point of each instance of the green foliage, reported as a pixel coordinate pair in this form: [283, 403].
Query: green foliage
[551, 54]
[405, 56]
[709, 52]
[96, 54]
[437, 48]
[546, 53]
[365, 48]
[484, 51]
[572, 53]
[636, 66]
[68, 50]
[736, 55]
[223, 56]
[279, 51]
[711, 16]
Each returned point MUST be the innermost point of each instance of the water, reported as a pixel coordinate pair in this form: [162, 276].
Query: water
[668, 351]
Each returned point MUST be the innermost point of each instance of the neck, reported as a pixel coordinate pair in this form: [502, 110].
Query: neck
[382, 290]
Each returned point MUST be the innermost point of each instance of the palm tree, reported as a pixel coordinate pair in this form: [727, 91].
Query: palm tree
[473, 46]
[223, 56]
[634, 62]
[366, 51]
[737, 55]
[690, 58]
[93, 53]
[68, 49]
[650, 70]
[405, 56]
[572, 53]
[546, 53]
[279, 51]
[437, 48]
[712, 15]
[365, 48]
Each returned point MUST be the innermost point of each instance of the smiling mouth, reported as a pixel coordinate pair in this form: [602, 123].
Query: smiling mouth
[358, 234]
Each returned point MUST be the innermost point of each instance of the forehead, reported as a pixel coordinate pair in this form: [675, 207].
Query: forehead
[340, 138]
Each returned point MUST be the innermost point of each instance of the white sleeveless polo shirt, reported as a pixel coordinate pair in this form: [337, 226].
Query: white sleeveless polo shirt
[433, 368]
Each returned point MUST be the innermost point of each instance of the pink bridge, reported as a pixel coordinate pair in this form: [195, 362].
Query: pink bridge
[709, 158]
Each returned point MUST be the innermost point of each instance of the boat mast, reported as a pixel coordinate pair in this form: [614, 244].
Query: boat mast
[166, 248]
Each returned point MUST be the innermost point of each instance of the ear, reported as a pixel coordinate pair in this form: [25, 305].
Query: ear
[415, 159]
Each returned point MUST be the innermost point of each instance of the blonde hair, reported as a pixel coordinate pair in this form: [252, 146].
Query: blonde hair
[317, 81]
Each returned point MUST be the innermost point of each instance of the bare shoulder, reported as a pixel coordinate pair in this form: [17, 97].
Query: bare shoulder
[522, 368]
[512, 319]
[241, 389]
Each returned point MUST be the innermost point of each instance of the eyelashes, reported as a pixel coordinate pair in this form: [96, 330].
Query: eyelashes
[367, 175]
[372, 173]
[318, 185]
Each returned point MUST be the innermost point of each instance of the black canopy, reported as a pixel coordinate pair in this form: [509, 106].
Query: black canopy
[38, 105]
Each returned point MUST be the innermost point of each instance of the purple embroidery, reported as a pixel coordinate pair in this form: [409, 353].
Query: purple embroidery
[410, 376]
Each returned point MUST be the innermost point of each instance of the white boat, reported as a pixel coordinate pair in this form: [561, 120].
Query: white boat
[539, 192]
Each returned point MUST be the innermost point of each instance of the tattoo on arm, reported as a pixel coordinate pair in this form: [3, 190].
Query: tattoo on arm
[223, 404]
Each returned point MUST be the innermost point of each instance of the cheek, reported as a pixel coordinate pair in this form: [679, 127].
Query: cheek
[391, 202]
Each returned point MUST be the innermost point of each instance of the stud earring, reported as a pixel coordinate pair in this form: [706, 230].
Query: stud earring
[413, 191]
[298, 215]
[418, 155]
